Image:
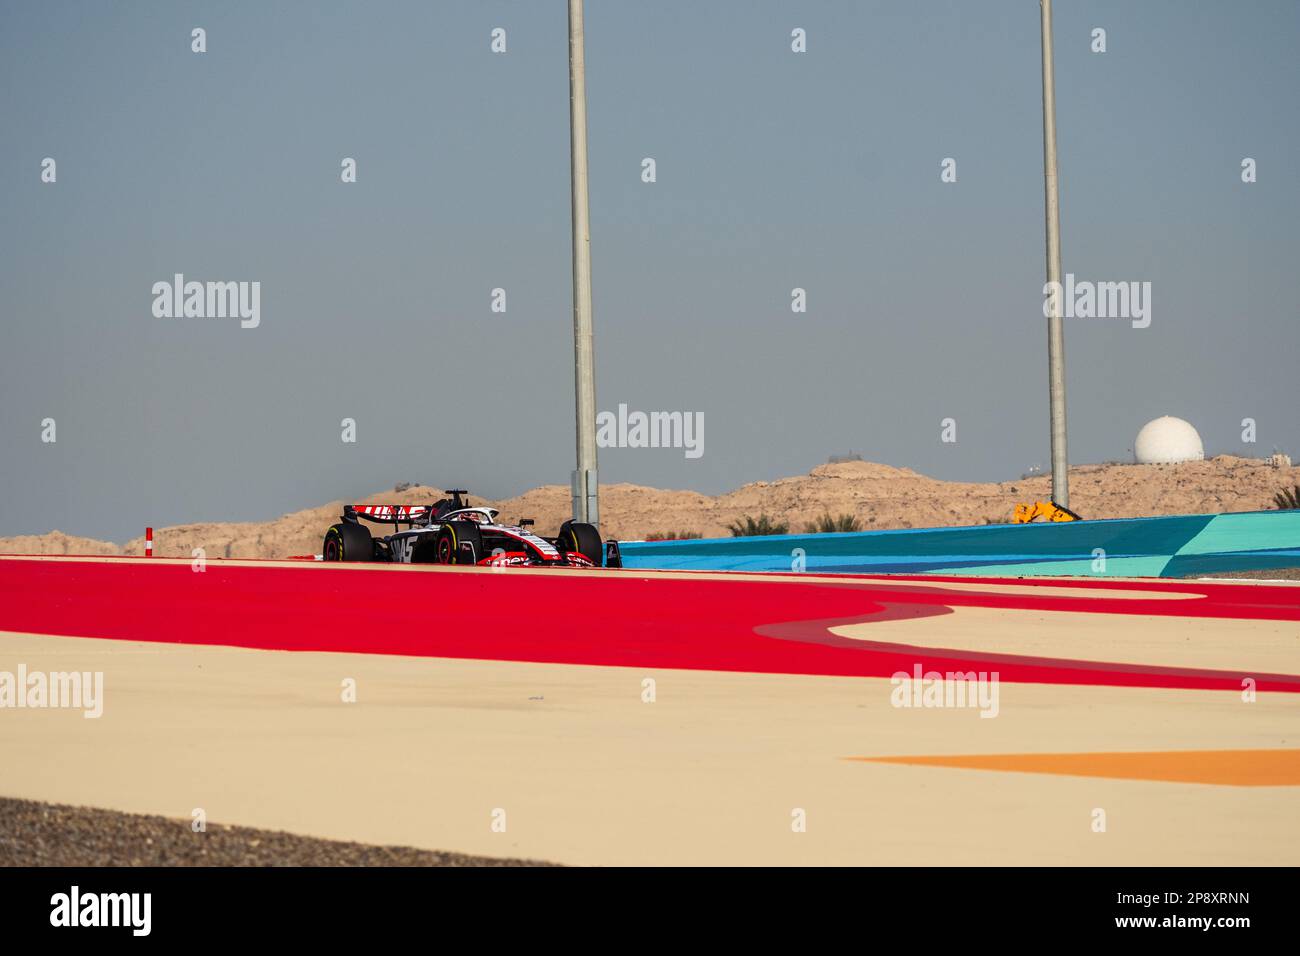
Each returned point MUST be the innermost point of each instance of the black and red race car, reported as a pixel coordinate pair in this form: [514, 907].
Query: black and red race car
[452, 531]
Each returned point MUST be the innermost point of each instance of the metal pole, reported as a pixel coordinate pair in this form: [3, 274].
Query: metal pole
[1055, 331]
[585, 484]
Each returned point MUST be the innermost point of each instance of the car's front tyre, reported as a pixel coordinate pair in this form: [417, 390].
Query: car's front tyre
[584, 539]
[453, 537]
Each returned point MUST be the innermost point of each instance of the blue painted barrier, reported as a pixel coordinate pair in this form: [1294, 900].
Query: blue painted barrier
[1174, 546]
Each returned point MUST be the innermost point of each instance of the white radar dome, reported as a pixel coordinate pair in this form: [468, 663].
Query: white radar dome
[1168, 440]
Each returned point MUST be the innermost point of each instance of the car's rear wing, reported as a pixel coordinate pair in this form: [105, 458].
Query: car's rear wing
[385, 514]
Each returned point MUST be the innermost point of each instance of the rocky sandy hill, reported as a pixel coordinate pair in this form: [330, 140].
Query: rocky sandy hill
[880, 496]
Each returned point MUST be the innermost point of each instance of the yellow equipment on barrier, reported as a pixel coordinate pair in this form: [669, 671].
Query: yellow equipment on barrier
[1048, 510]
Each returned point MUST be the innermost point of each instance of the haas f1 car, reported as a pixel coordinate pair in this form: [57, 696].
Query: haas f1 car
[452, 531]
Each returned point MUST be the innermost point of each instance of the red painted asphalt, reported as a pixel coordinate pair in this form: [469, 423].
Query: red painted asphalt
[776, 624]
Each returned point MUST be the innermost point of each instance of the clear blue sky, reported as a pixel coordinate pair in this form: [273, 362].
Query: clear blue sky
[775, 170]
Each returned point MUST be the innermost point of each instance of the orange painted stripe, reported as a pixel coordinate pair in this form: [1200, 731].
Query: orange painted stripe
[1236, 768]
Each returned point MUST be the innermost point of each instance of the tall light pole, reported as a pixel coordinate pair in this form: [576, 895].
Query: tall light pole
[585, 485]
[1055, 330]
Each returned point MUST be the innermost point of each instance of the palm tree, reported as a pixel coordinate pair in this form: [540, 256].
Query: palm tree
[834, 525]
[748, 527]
[1288, 499]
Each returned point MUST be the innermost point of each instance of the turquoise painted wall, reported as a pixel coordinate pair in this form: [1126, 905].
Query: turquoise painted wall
[1174, 546]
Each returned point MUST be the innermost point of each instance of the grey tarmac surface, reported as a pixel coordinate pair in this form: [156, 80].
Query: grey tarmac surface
[50, 834]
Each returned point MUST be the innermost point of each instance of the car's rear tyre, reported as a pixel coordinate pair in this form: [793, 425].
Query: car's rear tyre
[348, 542]
[452, 540]
[583, 538]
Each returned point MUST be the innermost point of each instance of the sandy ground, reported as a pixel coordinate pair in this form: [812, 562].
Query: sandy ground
[1261, 647]
[581, 770]
[880, 496]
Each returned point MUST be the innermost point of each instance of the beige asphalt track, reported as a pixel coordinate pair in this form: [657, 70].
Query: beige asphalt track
[712, 772]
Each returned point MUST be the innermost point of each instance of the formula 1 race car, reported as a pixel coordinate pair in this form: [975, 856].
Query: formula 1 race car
[451, 531]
